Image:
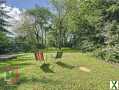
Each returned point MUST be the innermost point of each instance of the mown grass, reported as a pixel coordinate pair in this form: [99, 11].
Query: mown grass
[50, 50]
[62, 74]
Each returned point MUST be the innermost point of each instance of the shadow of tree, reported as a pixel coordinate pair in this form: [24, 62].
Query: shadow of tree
[14, 66]
[65, 65]
[46, 68]
[5, 86]
[37, 80]
[22, 64]
[24, 59]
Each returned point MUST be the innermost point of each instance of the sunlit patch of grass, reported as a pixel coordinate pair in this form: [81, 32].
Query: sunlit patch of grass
[66, 73]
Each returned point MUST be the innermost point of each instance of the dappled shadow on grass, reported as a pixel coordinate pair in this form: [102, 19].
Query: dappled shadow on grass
[7, 60]
[24, 59]
[14, 66]
[34, 79]
[5, 86]
[2, 82]
[22, 64]
[64, 65]
[15, 61]
[46, 68]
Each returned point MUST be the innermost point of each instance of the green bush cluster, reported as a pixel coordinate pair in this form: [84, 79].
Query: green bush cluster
[108, 54]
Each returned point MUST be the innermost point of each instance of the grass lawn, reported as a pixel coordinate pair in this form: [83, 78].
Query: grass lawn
[75, 71]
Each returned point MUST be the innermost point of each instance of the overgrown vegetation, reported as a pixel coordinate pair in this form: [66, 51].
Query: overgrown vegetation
[85, 25]
[4, 41]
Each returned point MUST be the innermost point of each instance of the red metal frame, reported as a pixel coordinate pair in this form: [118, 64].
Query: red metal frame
[39, 56]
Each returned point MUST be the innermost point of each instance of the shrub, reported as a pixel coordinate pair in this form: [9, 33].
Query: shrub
[108, 54]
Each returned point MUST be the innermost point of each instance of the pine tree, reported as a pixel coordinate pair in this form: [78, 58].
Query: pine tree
[3, 17]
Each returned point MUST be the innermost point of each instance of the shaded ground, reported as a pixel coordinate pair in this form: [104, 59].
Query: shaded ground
[75, 71]
[5, 57]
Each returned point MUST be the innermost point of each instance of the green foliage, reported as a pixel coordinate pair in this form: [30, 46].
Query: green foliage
[3, 17]
[108, 54]
[34, 28]
[3, 43]
[85, 25]
[42, 17]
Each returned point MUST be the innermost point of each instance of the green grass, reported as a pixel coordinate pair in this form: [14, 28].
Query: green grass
[50, 50]
[64, 75]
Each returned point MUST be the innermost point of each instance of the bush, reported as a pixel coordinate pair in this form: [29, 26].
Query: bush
[108, 54]
[86, 46]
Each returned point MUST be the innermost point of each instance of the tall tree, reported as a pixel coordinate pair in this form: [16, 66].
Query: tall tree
[3, 17]
[42, 20]
[4, 41]
[60, 15]
[35, 25]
